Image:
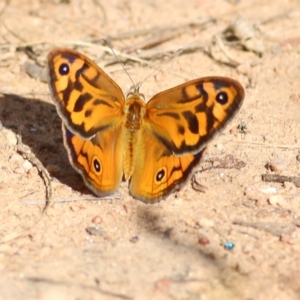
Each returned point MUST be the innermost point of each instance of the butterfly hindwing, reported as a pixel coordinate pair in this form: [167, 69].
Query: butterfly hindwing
[158, 172]
[96, 160]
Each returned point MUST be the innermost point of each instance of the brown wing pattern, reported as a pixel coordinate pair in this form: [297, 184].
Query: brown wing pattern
[157, 171]
[86, 98]
[186, 117]
[99, 160]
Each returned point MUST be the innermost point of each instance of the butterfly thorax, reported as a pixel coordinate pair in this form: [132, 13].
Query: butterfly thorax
[135, 109]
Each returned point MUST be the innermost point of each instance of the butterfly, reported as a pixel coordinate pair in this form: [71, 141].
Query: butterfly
[153, 145]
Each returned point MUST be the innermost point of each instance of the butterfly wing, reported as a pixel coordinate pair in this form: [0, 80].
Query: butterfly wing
[157, 171]
[86, 98]
[99, 160]
[91, 105]
[177, 125]
[186, 117]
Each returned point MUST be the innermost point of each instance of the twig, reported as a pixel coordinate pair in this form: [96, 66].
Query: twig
[151, 42]
[153, 30]
[74, 199]
[54, 282]
[274, 228]
[44, 173]
[232, 59]
[268, 145]
[197, 186]
[154, 54]
[227, 162]
[281, 179]
[75, 43]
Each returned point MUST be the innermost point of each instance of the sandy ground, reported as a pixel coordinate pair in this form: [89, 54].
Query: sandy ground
[119, 248]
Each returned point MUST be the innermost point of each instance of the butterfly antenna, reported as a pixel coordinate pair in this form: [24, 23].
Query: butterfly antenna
[136, 87]
[177, 52]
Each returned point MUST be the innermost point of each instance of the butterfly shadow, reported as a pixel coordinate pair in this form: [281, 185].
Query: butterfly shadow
[151, 220]
[39, 126]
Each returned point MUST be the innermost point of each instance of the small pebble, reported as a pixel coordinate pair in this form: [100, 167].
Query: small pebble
[277, 164]
[245, 267]
[11, 138]
[268, 190]
[288, 239]
[229, 245]
[27, 165]
[134, 239]
[33, 172]
[206, 223]
[234, 131]
[190, 222]
[250, 192]
[219, 146]
[203, 241]
[19, 170]
[261, 202]
[16, 157]
[95, 230]
[97, 220]
[277, 200]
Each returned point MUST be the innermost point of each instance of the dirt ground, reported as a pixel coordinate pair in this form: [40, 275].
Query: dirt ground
[83, 247]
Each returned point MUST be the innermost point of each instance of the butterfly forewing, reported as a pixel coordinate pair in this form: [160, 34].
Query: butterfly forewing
[86, 98]
[186, 117]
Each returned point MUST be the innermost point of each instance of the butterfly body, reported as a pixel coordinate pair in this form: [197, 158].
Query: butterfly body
[154, 145]
[133, 123]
